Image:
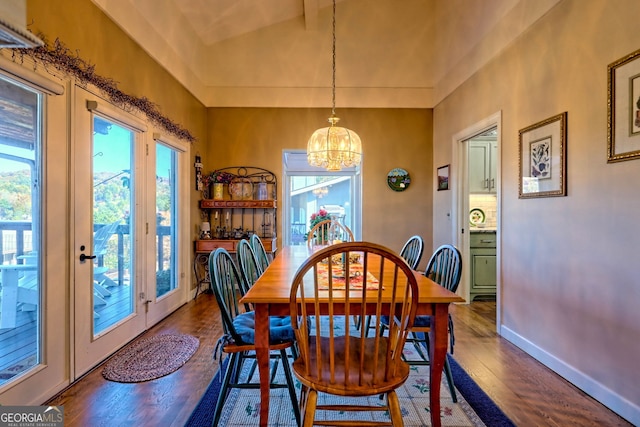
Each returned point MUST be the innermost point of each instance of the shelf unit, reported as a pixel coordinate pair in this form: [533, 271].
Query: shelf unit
[232, 220]
[242, 212]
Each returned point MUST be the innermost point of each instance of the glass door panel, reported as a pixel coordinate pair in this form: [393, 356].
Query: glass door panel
[20, 221]
[113, 283]
[166, 219]
[308, 189]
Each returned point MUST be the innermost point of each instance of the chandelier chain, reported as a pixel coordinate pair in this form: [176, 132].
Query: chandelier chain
[333, 83]
[334, 147]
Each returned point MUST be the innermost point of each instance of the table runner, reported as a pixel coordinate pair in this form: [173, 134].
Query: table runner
[339, 281]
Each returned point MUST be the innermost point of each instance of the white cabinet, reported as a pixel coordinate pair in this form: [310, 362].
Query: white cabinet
[483, 162]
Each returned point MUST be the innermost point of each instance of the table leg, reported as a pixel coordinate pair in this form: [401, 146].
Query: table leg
[438, 351]
[262, 357]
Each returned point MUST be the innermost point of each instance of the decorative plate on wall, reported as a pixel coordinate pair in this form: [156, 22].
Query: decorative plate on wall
[476, 216]
[398, 179]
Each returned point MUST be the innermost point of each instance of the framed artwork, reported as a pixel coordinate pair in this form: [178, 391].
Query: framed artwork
[543, 158]
[443, 178]
[623, 140]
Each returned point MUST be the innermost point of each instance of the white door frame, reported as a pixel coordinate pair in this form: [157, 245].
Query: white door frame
[51, 374]
[460, 202]
[89, 349]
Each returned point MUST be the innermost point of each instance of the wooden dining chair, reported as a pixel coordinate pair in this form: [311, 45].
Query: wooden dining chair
[335, 356]
[444, 268]
[260, 252]
[412, 251]
[250, 267]
[327, 231]
[238, 340]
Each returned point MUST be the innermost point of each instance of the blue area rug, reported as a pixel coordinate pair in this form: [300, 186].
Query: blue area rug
[472, 400]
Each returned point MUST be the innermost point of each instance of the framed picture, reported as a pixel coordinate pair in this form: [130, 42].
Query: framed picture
[443, 178]
[623, 142]
[543, 158]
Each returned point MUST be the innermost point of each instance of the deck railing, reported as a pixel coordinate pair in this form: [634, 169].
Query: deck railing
[16, 240]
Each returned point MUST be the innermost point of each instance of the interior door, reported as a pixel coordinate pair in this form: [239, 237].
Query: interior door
[108, 219]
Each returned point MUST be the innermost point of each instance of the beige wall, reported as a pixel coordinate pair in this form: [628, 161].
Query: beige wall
[390, 138]
[569, 284]
[83, 28]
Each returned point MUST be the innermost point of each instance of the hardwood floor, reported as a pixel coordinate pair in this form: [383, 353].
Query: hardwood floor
[528, 392]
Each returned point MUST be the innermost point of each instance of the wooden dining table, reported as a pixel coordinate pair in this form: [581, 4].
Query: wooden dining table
[270, 297]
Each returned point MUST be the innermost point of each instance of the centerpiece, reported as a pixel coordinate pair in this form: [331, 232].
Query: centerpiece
[318, 217]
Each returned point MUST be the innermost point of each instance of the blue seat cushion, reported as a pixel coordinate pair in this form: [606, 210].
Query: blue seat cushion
[421, 321]
[280, 329]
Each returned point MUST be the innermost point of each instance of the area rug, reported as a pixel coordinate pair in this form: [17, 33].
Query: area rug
[473, 409]
[150, 358]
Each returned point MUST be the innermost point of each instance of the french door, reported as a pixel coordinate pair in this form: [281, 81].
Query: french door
[33, 236]
[126, 245]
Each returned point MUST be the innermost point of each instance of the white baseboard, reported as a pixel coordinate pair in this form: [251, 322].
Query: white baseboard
[609, 398]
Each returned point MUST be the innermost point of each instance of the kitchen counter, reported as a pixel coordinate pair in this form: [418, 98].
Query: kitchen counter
[481, 230]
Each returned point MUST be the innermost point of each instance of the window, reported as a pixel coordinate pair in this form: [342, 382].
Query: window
[20, 228]
[166, 212]
[308, 189]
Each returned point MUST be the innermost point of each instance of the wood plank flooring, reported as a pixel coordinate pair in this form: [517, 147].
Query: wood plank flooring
[528, 392]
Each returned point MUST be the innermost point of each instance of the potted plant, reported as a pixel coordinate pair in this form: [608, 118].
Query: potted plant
[217, 179]
[316, 218]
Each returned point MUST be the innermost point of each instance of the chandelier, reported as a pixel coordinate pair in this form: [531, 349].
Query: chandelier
[320, 192]
[334, 147]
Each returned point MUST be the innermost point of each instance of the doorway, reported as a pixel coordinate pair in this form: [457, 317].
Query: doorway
[308, 189]
[477, 203]
[128, 267]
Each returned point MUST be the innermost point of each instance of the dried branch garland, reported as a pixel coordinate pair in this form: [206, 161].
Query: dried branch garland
[64, 60]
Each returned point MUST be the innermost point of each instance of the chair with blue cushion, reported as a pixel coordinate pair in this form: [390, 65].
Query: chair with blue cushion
[444, 268]
[412, 251]
[238, 340]
[250, 268]
[260, 252]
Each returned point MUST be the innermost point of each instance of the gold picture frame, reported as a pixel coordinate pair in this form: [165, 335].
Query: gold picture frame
[623, 108]
[543, 158]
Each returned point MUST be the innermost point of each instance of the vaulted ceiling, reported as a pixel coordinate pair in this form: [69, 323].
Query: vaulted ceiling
[277, 53]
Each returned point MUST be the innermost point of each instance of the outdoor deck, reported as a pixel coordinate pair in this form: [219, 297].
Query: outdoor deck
[19, 344]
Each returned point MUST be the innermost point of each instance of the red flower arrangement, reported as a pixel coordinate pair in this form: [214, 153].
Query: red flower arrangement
[218, 177]
[320, 216]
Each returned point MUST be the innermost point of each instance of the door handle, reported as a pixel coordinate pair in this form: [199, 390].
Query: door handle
[84, 257]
